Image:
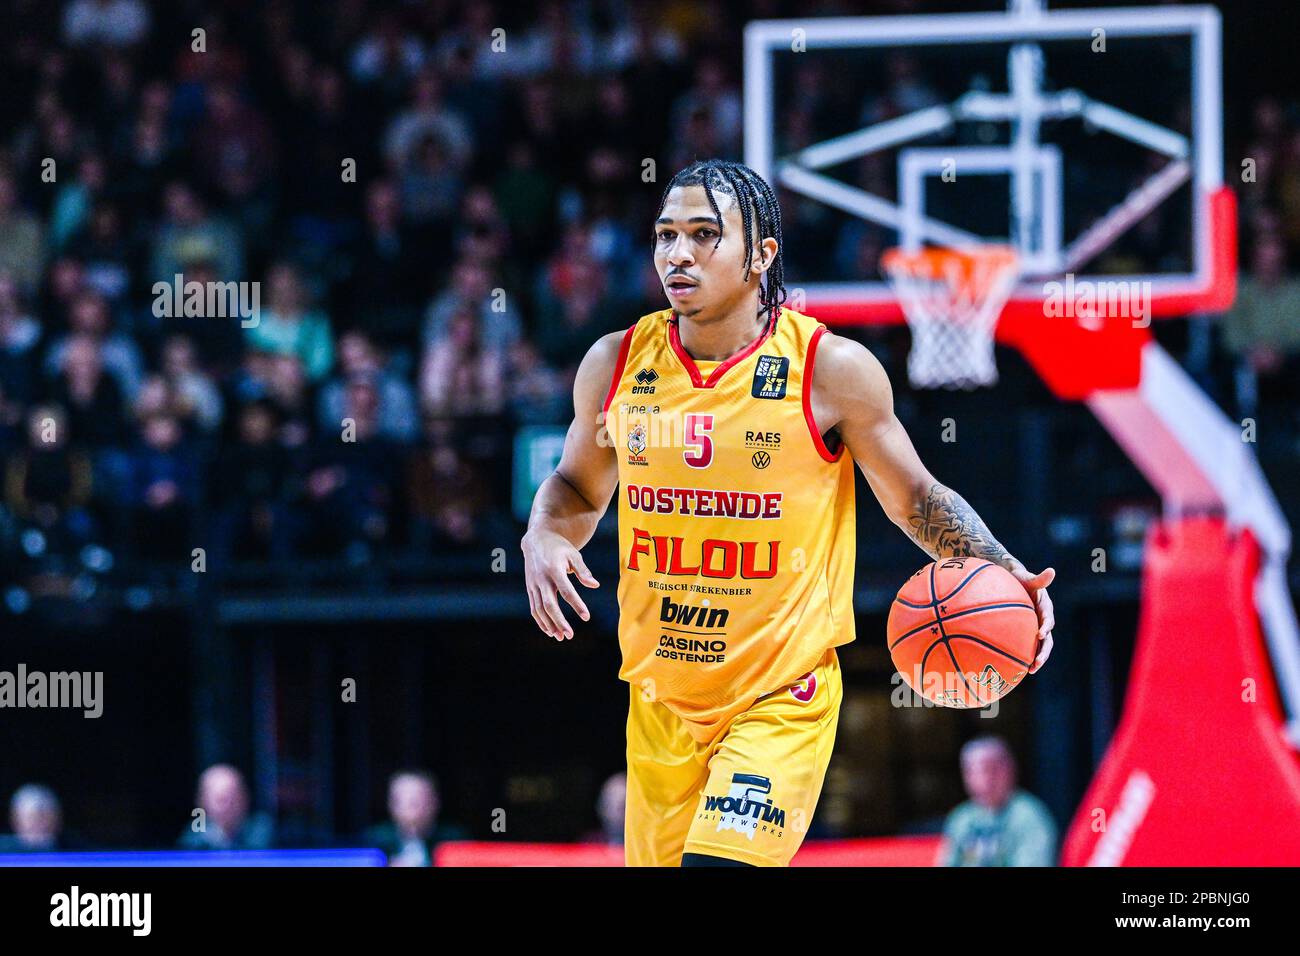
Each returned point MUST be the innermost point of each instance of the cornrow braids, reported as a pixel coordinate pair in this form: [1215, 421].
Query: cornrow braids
[758, 207]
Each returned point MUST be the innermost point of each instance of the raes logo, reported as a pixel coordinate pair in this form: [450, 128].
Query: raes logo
[757, 439]
[645, 382]
[747, 807]
[769, 376]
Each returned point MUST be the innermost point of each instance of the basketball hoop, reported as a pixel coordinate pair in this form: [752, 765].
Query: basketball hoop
[952, 299]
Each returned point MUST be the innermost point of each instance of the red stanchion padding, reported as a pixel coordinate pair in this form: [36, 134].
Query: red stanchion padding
[1198, 773]
[890, 851]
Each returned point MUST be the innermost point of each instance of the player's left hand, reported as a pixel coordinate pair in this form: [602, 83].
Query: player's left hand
[1036, 585]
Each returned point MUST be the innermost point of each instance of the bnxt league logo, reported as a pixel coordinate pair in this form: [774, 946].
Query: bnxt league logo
[746, 806]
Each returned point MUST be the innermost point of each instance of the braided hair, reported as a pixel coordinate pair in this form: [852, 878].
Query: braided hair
[758, 207]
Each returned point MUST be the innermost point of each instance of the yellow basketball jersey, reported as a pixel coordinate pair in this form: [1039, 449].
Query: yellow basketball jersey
[735, 521]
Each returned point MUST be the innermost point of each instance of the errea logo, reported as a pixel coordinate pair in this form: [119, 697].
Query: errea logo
[645, 380]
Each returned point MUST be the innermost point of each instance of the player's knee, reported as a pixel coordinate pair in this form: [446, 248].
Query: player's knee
[703, 859]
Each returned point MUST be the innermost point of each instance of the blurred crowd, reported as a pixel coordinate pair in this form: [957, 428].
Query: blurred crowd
[438, 225]
[1263, 330]
[1000, 824]
[224, 818]
[442, 204]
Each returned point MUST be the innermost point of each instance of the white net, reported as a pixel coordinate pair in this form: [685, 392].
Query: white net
[952, 299]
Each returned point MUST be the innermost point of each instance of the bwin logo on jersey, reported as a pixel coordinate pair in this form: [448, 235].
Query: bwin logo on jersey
[746, 805]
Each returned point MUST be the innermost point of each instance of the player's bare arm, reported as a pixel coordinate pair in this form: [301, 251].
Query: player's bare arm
[852, 395]
[571, 501]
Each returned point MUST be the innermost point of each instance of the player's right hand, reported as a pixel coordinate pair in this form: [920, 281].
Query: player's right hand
[549, 559]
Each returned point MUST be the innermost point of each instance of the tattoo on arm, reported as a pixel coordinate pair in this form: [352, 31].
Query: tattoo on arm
[945, 526]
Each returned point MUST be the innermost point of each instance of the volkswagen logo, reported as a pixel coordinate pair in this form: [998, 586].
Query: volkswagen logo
[761, 459]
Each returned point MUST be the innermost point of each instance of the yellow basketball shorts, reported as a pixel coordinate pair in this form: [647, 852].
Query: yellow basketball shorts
[747, 795]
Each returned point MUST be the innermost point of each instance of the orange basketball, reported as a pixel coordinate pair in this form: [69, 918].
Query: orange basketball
[962, 632]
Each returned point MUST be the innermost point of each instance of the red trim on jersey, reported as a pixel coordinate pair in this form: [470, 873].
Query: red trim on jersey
[810, 359]
[696, 378]
[619, 367]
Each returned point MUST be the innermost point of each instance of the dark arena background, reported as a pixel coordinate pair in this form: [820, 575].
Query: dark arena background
[290, 543]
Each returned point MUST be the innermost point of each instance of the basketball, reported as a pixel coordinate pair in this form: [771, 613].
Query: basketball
[962, 632]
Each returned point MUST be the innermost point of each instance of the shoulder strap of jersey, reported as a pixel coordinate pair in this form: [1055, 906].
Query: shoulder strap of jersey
[620, 365]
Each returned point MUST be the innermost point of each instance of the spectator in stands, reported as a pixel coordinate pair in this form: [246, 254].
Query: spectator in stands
[235, 151]
[22, 238]
[151, 152]
[411, 835]
[163, 488]
[110, 23]
[497, 324]
[189, 234]
[384, 286]
[358, 357]
[287, 386]
[537, 392]
[527, 196]
[907, 90]
[447, 496]
[386, 56]
[65, 282]
[290, 326]
[1262, 326]
[351, 478]
[574, 305]
[251, 493]
[611, 808]
[106, 252]
[90, 319]
[429, 187]
[36, 817]
[428, 117]
[74, 202]
[714, 96]
[225, 822]
[196, 395]
[481, 229]
[48, 485]
[1000, 825]
[462, 374]
[92, 399]
[19, 335]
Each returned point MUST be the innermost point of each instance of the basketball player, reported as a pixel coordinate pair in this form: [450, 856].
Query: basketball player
[736, 528]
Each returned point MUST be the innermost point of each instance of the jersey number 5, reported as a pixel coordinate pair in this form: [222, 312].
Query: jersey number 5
[699, 443]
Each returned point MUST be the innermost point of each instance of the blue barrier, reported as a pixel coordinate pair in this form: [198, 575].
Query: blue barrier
[356, 857]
